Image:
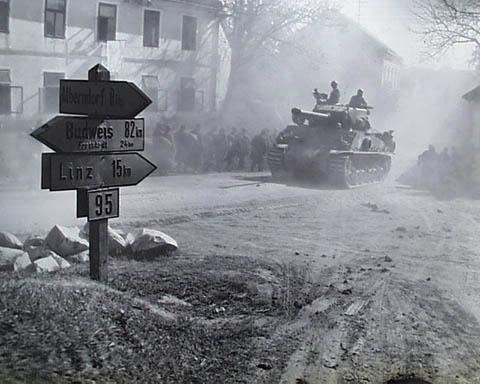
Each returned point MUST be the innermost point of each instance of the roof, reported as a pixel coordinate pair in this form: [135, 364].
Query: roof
[337, 19]
[473, 95]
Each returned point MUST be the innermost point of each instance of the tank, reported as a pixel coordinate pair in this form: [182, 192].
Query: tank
[334, 143]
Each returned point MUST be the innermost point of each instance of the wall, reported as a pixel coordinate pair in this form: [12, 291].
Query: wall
[27, 53]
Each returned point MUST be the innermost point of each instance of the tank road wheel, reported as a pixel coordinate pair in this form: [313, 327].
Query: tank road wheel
[275, 163]
[342, 173]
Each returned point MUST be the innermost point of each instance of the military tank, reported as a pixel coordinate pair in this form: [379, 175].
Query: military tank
[334, 143]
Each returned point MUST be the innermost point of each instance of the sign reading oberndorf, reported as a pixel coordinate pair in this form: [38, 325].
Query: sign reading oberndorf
[114, 99]
[96, 151]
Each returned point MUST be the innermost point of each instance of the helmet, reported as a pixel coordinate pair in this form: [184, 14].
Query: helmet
[360, 91]
[333, 83]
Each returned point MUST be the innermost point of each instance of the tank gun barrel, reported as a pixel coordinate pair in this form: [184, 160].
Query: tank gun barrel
[299, 116]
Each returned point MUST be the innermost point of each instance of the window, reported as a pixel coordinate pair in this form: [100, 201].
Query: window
[107, 22]
[189, 33]
[5, 92]
[55, 18]
[186, 100]
[150, 85]
[51, 91]
[4, 15]
[151, 28]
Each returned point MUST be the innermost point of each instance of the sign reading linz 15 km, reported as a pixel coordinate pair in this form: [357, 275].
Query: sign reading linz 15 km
[107, 99]
[81, 134]
[61, 172]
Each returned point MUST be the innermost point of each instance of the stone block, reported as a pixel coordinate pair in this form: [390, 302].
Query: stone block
[66, 241]
[9, 240]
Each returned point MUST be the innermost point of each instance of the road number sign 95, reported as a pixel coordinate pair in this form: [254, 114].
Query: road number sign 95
[103, 204]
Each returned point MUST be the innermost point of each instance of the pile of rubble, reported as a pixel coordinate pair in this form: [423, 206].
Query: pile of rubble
[66, 245]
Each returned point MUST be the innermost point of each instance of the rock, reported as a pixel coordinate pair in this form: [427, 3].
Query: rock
[33, 241]
[66, 241]
[62, 263]
[8, 257]
[8, 240]
[129, 238]
[116, 243]
[439, 210]
[22, 263]
[79, 258]
[40, 252]
[401, 229]
[388, 259]
[150, 243]
[46, 264]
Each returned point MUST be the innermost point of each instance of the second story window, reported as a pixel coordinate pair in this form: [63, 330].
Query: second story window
[189, 33]
[55, 11]
[107, 22]
[151, 28]
[4, 15]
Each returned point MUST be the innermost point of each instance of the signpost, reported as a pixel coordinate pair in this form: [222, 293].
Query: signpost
[96, 152]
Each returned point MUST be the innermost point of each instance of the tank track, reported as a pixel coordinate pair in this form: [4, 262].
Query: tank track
[352, 170]
[275, 161]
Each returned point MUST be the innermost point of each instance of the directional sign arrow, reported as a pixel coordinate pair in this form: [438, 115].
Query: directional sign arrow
[62, 172]
[82, 134]
[114, 99]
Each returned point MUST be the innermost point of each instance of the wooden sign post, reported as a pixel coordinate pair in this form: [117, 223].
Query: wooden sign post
[95, 152]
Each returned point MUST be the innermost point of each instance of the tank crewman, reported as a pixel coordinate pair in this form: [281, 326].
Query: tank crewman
[357, 101]
[259, 150]
[334, 96]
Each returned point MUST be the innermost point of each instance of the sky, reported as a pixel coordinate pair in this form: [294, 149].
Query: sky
[391, 21]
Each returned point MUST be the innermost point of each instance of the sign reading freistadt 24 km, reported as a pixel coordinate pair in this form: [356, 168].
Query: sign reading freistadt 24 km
[82, 134]
[108, 99]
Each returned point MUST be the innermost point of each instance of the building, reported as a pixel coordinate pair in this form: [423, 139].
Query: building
[167, 47]
[333, 47]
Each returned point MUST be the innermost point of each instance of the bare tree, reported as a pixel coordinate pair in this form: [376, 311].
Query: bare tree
[448, 23]
[255, 27]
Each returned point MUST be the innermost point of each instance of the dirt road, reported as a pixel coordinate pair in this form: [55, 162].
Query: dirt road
[390, 276]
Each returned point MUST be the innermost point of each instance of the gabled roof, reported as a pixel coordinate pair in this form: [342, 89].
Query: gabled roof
[473, 95]
[336, 19]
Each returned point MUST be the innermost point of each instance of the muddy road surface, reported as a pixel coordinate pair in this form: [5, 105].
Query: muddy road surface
[372, 285]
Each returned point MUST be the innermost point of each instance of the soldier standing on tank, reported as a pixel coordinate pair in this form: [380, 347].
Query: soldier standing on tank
[357, 101]
[334, 96]
[259, 151]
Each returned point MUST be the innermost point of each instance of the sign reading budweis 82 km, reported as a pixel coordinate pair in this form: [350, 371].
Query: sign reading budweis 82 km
[108, 99]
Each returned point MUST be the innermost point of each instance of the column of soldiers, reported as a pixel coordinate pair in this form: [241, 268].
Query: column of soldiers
[193, 150]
